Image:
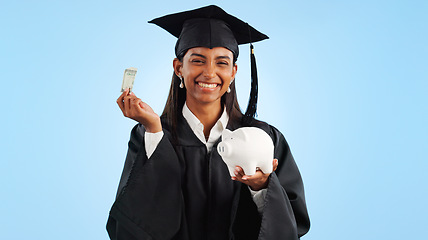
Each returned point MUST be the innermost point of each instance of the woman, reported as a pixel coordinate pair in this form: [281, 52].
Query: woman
[174, 184]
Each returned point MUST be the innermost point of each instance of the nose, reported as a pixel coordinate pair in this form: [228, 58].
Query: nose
[224, 149]
[209, 71]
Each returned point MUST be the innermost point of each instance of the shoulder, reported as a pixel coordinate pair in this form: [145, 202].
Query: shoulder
[282, 150]
[166, 123]
[271, 130]
[137, 135]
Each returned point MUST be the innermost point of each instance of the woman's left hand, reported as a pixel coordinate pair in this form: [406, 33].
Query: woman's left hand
[257, 181]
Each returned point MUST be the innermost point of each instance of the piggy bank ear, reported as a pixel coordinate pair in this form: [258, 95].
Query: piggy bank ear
[242, 134]
[226, 134]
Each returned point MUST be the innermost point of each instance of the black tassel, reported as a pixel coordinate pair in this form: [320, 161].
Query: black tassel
[252, 103]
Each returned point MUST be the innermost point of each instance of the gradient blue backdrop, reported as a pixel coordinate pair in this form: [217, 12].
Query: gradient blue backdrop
[345, 81]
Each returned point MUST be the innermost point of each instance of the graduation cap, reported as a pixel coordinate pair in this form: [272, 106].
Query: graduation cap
[212, 27]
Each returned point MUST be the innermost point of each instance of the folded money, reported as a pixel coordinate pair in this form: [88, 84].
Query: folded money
[128, 78]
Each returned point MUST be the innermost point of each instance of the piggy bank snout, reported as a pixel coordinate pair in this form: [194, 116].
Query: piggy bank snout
[224, 149]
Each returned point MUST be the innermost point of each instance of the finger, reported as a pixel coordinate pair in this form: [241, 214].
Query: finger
[144, 107]
[119, 101]
[121, 106]
[124, 93]
[243, 176]
[138, 102]
[256, 176]
[259, 170]
[127, 102]
[275, 164]
[239, 172]
[240, 180]
[135, 104]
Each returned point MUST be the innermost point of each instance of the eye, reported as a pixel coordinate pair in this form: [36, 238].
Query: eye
[223, 63]
[197, 61]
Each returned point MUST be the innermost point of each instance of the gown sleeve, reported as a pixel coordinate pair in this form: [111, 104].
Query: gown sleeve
[151, 142]
[149, 201]
[284, 215]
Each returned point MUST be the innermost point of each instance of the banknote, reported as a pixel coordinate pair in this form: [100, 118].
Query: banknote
[128, 78]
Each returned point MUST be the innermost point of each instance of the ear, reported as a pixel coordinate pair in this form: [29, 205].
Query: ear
[226, 134]
[241, 134]
[177, 65]
[234, 71]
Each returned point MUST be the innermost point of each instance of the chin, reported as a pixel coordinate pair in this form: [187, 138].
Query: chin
[207, 100]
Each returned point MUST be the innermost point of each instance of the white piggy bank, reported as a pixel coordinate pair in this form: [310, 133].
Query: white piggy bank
[247, 147]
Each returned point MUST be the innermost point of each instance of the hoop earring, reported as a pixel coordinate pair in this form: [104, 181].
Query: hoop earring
[181, 81]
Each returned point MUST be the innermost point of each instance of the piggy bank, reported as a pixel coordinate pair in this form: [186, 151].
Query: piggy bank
[247, 147]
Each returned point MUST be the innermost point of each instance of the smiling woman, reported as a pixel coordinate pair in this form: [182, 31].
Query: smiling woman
[174, 184]
[207, 75]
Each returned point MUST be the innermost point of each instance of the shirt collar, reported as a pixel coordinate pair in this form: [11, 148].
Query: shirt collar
[194, 122]
[224, 119]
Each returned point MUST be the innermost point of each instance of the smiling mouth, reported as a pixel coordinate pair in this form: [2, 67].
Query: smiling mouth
[208, 85]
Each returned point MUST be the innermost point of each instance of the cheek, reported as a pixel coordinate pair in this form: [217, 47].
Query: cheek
[230, 73]
[227, 78]
[191, 73]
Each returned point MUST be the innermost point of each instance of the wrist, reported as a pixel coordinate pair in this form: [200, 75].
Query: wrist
[154, 128]
[258, 187]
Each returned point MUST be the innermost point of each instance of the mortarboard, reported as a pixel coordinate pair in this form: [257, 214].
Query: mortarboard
[212, 27]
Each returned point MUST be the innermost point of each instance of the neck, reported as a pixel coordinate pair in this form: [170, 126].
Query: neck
[208, 113]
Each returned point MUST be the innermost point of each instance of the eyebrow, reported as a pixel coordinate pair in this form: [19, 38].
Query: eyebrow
[198, 55]
[202, 56]
[223, 57]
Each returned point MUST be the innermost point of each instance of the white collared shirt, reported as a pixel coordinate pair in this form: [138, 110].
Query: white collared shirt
[198, 128]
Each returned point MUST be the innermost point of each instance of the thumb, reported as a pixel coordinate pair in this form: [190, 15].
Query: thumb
[275, 164]
[141, 104]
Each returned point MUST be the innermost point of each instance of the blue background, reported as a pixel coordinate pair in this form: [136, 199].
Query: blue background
[345, 81]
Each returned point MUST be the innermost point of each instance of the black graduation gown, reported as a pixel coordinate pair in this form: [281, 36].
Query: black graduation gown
[184, 192]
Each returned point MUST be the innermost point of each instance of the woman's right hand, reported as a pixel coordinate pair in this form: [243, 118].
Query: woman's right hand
[133, 108]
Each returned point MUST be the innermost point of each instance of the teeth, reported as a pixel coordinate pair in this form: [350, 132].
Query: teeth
[206, 85]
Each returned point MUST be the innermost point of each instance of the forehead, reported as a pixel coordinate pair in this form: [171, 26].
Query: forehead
[210, 52]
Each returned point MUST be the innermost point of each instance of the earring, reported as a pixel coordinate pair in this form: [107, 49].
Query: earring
[228, 89]
[181, 81]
